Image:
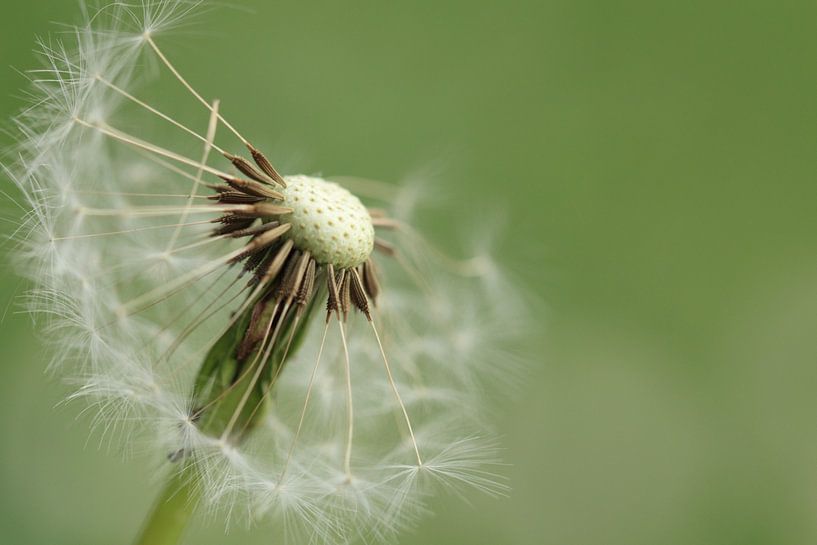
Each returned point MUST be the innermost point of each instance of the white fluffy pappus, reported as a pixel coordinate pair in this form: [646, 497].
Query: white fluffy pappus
[134, 288]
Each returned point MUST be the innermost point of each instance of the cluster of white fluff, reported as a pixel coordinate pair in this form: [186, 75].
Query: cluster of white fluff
[96, 255]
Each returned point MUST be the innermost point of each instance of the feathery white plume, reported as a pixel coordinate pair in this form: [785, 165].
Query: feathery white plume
[150, 259]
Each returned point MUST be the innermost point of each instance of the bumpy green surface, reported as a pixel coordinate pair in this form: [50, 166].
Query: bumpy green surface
[328, 221]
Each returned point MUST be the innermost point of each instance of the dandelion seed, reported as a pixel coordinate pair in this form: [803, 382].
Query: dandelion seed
[285, 349]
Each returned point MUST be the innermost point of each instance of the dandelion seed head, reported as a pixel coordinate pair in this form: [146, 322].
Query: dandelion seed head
[295, 345]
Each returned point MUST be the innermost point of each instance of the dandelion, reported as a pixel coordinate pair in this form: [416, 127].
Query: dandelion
[237, 323]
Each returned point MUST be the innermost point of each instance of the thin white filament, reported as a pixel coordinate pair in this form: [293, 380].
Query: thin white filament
[306, 403]
[208, 145]
[127, 231]
[147, 146]
[190, 88]
[164, 116]
[184, 279]
[350, 411]
[154, 211]
[397, 393]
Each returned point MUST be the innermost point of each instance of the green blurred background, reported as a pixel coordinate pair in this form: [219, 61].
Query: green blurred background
[655, 163]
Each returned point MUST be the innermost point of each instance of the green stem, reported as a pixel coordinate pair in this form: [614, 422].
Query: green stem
[171, 513]
[230, 397]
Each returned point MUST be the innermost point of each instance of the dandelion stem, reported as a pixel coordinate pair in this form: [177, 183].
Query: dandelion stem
[167, 522]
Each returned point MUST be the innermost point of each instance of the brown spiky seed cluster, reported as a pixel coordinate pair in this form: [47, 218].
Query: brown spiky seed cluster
[284, 271]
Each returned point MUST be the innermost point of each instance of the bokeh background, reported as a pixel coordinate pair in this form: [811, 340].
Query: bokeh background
[655, 166]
